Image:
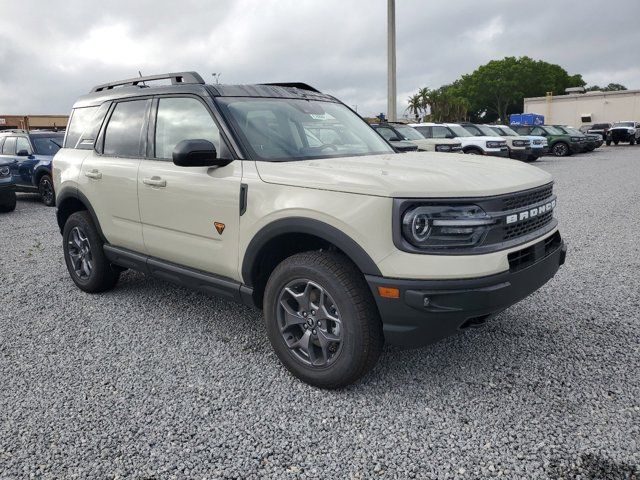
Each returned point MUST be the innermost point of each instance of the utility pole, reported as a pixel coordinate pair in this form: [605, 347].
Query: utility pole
[391, 59]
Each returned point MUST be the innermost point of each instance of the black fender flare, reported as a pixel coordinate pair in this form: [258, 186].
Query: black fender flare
[309, 226]
[69, 194]
[39, 171]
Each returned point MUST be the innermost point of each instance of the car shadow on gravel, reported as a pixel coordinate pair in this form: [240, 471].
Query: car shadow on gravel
[590, 466]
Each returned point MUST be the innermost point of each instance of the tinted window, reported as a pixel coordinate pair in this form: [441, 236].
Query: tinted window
[424, 131]
[123, 136]
[47, 145]
[387, 133]
[183, 119]
[473, 129]
[9, 147]
[440, 131]
[80, 118]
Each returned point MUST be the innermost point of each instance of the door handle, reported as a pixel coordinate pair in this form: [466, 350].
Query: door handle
[95, 174]
[154, 182]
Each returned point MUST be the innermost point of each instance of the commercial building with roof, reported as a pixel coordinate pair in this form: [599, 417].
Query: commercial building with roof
[33, 122]
[578, 109]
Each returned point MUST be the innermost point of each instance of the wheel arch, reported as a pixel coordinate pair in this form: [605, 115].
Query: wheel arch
[69, 202]
[285, 237]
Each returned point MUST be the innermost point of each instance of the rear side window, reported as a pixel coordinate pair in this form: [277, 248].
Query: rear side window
[440, 131]
[80, 119]
[124, 133]
[9, 147]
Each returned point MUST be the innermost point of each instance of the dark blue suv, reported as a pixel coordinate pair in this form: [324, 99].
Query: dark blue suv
[29, 155]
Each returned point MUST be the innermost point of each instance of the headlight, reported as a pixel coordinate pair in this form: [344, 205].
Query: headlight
[537, 142]
[441, 227]
[4, 171]
[576, 139]
[495, 144]
[443, 148]
[521, 143]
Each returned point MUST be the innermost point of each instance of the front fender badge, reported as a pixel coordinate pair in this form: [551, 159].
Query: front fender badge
[219, 227]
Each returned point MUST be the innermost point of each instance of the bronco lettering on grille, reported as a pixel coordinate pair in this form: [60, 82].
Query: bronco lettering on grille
[530, 213]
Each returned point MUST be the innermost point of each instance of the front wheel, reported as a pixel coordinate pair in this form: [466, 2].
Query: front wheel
[45, 188]
[322, 320]
[608, 142]
[632, 141]
[561, 149]
[87, 265]
[9, 205]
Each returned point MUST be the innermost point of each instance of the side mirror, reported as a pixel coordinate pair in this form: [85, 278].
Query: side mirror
[23, 153]
[197, 153]
[448, 135]
[394, 139]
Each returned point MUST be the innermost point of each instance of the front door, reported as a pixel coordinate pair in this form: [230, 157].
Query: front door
[190, 215]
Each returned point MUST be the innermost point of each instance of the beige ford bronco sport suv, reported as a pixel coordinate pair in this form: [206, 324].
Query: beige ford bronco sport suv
[229, 189]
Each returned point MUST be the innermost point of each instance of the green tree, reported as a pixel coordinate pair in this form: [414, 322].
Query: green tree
[612, 87]
[498, 88]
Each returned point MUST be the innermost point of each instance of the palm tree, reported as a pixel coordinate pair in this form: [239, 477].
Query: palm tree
[415, 105]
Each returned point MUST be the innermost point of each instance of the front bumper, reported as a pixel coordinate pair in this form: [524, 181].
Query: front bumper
[540, 151]
[429, 310]
[577, 147]
[502, 152]
[521, 153]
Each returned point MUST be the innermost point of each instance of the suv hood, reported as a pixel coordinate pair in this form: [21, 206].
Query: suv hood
[408, 175]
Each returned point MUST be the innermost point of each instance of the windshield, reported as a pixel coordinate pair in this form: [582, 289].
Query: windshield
[409, 133]
[47, 145]
[553, 131]
[486, 131]
[506, 131]
[573, 131]
[459, 131]
[283, 129]
[623, 124]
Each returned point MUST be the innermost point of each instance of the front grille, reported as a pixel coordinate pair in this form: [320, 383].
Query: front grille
[528, 256]
[524, 199]
[527, 226]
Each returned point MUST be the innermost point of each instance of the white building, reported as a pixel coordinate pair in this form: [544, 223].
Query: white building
[577, 109]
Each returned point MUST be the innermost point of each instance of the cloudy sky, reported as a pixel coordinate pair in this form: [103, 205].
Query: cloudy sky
[52, 52]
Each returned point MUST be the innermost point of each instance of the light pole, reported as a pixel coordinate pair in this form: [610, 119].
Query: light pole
[391, 59]
[217, 77]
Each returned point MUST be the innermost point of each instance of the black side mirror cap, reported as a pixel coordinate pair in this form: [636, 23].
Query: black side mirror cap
[23, 153]
[197, 153]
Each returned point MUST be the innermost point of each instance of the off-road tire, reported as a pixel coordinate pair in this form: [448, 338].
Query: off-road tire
[103, 276]
[561, 149]
[45, 189]
[10, 206]
[362, 336]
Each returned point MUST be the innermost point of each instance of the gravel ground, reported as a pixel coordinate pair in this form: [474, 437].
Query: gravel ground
[153, 381]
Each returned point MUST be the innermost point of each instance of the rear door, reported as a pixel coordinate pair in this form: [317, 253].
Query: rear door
[109, 173]
[190, 215]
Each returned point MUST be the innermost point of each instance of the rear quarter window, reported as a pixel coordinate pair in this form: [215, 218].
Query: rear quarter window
[84, 126]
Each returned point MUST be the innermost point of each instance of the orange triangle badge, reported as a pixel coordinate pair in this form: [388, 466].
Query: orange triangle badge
[219, 227]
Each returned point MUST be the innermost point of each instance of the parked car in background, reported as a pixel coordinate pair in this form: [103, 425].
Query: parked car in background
[626, 132]
[599, 129]
[560, 144]
[407, 133]
[585, 128]
[591, 141]
[7, 187]
[519, 146]
[539, 145]
[394, 138]
[472, 144]
[30, 155]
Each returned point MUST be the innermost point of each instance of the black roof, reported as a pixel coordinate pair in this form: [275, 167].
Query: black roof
[191, 82]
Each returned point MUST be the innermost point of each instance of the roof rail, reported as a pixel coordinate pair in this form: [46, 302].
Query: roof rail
[14, 130]
[298, 85]
[176, 78]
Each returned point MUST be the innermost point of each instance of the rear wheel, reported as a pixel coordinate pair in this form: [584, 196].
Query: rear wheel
[45, 188]
[632, 141]
[87, 265]
[322, 319]
[561, 149]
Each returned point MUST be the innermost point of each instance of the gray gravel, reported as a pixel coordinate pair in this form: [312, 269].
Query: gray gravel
[153, 381]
